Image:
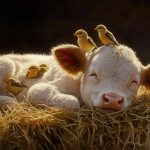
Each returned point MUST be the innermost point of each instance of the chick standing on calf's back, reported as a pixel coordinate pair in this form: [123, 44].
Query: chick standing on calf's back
[84, 41]
[106, 36]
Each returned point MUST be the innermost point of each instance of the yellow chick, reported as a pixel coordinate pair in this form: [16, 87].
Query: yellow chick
[14, 86]
[36, 72]
[44, 65]
[84, 41]
[106, 36]
[33, 72]
[42, 71]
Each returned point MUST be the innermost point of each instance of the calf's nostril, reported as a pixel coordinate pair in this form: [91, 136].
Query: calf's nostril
[105, 98]
[120, 102]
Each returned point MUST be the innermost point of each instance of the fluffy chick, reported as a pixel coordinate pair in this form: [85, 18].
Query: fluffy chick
[33, 72]
[42, 71]
[14, 86]
[84, 41]
[36, 71]
[44, 65]
[106, 36]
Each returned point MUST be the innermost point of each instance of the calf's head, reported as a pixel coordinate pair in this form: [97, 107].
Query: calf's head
[111, 75]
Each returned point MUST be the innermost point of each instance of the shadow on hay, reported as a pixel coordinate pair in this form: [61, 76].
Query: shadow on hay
[26, 127]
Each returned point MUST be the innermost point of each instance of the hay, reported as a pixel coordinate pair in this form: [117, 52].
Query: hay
[25, 127]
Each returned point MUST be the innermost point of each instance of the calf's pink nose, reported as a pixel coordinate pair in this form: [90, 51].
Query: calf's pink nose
[112, 101]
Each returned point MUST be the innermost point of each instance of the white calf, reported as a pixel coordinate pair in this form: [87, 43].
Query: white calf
[109, 78]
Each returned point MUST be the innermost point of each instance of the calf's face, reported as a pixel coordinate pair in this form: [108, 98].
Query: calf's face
[111, 75]
[112, 78]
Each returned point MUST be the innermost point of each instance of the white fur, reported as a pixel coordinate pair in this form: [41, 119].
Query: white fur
[54, 88]
[115, 67]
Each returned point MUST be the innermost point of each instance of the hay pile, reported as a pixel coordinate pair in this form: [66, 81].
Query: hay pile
[24, 127]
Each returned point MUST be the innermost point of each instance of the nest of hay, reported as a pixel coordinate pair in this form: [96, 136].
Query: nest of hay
[26, 127]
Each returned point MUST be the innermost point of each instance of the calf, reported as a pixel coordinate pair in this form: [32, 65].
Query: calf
[108, 78]
[111, 75]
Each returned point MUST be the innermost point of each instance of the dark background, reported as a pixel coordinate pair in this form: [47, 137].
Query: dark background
[28, 26]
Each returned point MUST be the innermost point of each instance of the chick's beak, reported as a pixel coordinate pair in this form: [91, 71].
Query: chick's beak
[27, 73]
[75, 34]
[95, 28]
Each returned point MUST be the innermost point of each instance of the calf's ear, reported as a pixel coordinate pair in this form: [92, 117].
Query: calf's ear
[145, 78]
[71, 58]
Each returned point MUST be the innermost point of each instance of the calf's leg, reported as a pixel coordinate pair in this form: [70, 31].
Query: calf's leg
[46, 94]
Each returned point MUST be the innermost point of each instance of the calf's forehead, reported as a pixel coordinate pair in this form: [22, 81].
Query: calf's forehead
[120, 61]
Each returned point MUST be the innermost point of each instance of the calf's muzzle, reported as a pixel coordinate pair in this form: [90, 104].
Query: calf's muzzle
[112, 101]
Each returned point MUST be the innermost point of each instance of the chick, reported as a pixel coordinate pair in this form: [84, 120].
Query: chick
[44, 65]
[42, 71]
[14, 86]
[84, 41]
[33, 72]
[106, 36]
[36, 71]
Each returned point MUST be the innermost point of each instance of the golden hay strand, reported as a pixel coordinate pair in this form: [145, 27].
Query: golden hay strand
[25, 127]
